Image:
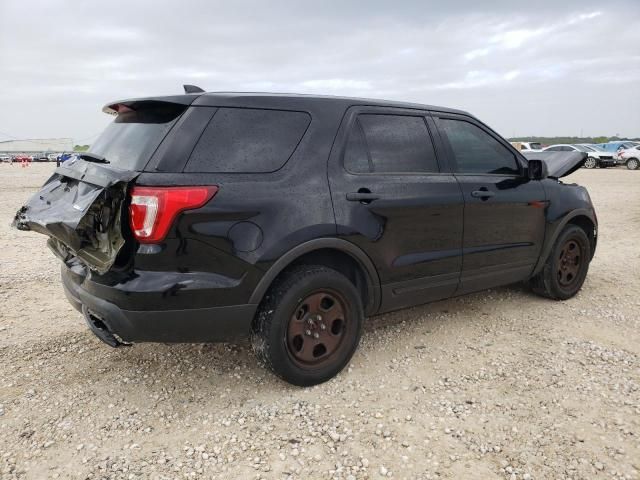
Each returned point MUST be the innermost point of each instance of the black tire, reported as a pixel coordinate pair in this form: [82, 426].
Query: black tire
[633, 164]
[561, 278]
[291, 354]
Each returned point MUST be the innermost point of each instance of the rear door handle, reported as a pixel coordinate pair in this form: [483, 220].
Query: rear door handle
[362, 197]
[483, 193]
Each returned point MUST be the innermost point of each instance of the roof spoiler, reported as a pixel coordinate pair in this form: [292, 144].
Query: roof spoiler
[121, 106]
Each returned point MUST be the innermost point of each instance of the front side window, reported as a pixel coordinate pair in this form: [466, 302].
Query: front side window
[390, 144]
[475, 151]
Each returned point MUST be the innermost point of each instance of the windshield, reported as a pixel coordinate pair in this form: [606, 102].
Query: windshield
[130, 140]
[535, 146]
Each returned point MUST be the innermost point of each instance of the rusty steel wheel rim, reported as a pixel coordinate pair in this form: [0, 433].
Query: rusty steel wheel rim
[317, 328]
[570, 262]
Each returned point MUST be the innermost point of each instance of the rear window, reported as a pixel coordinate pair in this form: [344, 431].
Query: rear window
[130, 140]
[247, 140]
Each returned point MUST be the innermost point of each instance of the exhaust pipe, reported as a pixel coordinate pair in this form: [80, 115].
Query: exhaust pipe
[101, 330]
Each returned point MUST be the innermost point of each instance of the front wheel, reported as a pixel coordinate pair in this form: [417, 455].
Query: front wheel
[590, 163]
[633, 164]
[566, 268]
[308, 326]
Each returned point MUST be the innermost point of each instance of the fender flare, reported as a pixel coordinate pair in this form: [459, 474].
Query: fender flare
[548, 244]
[355, 252]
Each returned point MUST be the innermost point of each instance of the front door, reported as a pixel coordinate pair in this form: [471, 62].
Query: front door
[504, 211]
[393, 198]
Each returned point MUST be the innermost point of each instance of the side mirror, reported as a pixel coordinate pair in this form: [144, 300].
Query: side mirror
[537, 170]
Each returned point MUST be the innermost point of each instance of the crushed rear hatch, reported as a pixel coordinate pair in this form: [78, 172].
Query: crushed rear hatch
[82, 205]
[80, 209]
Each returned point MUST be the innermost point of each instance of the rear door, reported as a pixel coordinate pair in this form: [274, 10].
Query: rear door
[394, 197]
[504, 211]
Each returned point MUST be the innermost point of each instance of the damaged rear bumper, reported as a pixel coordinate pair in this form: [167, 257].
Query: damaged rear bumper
[80, 208]
[116, 326]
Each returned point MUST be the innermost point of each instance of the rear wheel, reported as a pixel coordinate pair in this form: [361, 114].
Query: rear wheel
[566, 268]
[633, 164]
[590, 163]
[308, 326]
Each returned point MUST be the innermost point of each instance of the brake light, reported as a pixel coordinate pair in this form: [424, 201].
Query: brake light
[153, 209]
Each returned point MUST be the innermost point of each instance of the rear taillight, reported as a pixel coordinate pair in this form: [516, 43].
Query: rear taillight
[153, 209]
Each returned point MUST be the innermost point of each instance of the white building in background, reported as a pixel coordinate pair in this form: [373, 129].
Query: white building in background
[37, 145]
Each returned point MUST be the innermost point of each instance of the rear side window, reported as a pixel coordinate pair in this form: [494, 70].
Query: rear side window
[245, 140]
[476, 151]
[390, 144]
[130, 140]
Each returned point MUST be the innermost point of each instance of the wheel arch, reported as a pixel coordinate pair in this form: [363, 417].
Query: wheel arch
[583, 218]
[335, 253]
[589, 227]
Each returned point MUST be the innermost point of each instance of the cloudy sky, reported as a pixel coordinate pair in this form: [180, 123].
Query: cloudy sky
[526, 68]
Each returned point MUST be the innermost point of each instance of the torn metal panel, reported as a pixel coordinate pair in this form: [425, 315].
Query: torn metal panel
[559, 164]
[80, 208]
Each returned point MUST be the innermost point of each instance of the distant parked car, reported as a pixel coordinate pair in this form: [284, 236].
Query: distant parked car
[527, 146]
[52, 157]
[606, 159]
[630, 157]
[615, 146]
[40, 157]
[594, 159]
[5, 158]
[23, 158]
[65, 156]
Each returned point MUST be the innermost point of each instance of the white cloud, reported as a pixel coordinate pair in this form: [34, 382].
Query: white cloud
[512, 75]
[477, 53]
[585, 16]
[516, 38]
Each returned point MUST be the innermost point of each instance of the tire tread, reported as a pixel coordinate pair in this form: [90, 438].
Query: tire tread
[266, 313]
[542, 283]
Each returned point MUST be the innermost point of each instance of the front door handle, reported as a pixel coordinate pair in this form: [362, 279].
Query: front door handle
[484, 193]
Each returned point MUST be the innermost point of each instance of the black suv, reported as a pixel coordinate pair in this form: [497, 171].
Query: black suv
[290, 218]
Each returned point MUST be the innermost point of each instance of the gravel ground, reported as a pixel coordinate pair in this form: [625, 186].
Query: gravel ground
[500, 384]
